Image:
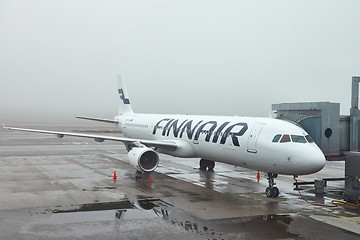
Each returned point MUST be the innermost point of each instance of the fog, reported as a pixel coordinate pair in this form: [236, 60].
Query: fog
[60, 58]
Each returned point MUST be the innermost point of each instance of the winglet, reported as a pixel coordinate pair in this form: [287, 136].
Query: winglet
[4, 126]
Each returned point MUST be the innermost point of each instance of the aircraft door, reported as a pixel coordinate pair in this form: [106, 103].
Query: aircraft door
[253, 137]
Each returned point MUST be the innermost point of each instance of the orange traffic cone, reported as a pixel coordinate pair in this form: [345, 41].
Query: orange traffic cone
[258, 176]
[114, 175]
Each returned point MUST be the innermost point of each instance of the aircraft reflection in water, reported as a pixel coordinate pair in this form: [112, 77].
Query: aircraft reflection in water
[262, 144]
[272, 226]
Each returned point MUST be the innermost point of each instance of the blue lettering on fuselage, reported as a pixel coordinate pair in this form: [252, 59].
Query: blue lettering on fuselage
[168, 125]
[208, 132]
[189, 131]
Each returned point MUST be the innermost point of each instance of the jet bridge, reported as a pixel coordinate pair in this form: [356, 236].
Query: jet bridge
[335, 134]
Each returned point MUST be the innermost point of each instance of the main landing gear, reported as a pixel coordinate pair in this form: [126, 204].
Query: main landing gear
[207, 164]
[271, 191]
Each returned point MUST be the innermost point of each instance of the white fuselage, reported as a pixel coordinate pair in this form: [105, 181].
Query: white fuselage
[263, 144]
[242, 141]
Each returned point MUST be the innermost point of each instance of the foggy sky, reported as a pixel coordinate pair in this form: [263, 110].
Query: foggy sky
[60, 58]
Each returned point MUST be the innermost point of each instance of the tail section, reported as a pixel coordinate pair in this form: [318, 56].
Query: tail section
[125, 106]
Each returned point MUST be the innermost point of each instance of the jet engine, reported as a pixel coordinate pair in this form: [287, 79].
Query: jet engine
[143, 159]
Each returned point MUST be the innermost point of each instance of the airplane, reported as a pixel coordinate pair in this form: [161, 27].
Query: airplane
[263, 144]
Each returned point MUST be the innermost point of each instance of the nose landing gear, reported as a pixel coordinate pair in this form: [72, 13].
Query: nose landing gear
[271, 191]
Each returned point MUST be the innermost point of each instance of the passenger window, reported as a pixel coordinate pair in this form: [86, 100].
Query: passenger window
[276, 138]
[298, 139]
[309, 139]
[285, 138]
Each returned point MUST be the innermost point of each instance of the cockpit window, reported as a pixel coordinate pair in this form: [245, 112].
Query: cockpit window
[298, 139]
[294, 138]
[285, 138]
[276, 138]
[309, 139]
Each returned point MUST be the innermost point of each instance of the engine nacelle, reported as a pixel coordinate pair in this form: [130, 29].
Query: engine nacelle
[143, 159]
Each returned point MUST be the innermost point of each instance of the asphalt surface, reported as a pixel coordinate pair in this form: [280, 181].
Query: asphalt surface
[54, 188]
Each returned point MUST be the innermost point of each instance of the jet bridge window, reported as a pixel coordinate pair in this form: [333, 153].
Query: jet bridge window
[298, 139]
[285, 138]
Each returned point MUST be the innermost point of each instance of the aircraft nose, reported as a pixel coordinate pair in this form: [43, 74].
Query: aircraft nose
[315, 160]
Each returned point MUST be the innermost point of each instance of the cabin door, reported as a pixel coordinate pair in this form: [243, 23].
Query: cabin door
[253, 137]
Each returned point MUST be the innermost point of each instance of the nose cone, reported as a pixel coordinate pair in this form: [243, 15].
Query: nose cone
[314, 160]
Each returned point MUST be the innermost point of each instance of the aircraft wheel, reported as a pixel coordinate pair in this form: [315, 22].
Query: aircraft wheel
[211, 165]
[276, 192]
[270, 192]
[203, 165]
[207, 164]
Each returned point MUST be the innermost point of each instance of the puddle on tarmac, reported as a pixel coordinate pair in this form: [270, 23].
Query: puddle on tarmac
[156, 219]
[149, 211]
[141, 209]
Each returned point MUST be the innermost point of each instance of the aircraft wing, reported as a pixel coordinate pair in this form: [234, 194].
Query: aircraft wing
[167, 145]
[98, 119]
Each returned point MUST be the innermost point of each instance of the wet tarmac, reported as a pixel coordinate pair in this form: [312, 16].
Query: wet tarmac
[64, 189]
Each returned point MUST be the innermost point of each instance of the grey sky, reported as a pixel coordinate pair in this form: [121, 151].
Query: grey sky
[59, 58]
